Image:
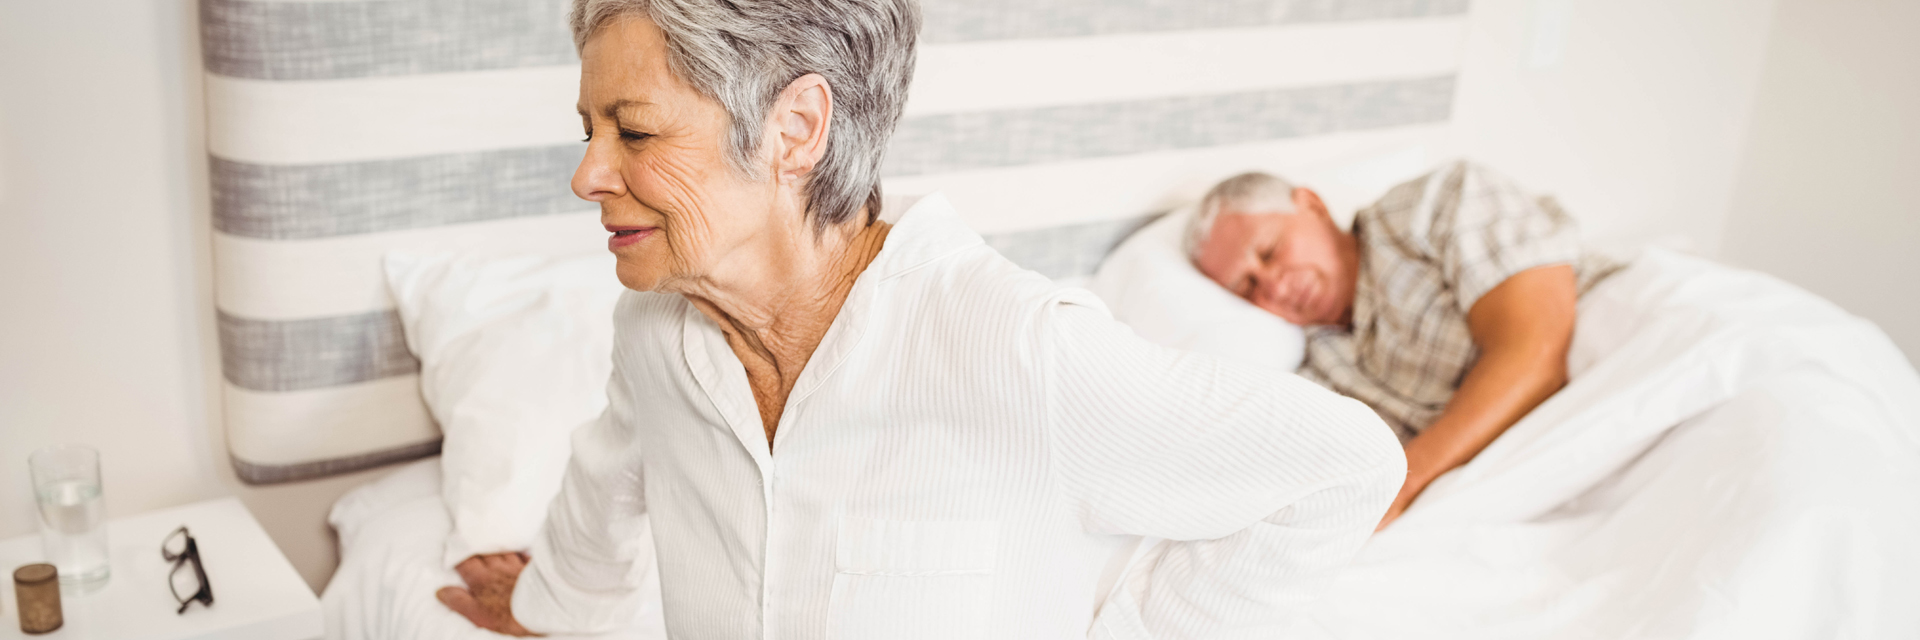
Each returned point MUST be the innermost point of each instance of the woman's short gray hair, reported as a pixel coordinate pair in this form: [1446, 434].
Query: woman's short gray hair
[743, 53]
[1252, 192]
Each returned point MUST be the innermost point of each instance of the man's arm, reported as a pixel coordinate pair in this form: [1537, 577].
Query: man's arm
[1523, 327]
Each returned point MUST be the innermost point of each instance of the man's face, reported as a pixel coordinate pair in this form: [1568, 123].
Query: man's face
[1291, 265]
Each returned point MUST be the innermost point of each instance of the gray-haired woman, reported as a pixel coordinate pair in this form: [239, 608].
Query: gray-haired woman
[832, 426]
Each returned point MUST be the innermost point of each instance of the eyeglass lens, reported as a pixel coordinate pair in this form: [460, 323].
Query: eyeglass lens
[176, 544]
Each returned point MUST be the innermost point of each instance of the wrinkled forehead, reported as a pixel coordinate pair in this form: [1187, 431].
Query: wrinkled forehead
[1232, 243]
[626, 60]
[1236, 227]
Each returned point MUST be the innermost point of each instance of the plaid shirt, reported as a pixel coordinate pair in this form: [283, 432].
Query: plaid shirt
[1429, 249]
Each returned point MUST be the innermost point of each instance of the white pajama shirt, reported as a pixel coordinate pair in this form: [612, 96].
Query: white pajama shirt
[972, 452]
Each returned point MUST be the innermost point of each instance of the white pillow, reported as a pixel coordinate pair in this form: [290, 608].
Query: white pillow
[514, 354]
[1150, 285]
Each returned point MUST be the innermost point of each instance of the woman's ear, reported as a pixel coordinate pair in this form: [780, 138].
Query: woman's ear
[800, 125]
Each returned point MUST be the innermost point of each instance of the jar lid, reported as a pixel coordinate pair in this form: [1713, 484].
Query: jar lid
[35, 573]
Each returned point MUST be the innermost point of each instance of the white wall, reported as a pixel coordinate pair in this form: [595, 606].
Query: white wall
[1636, 125]
[106, 325]
[1829, 193]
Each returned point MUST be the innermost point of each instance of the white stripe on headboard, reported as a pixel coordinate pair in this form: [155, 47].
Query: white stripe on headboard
[330, 423]
[338, 275]
[1004, 199]
[967, 20]
[985, 76]
[358, 119]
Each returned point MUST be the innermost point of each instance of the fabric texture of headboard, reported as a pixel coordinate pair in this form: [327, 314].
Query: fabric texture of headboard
[340, 130]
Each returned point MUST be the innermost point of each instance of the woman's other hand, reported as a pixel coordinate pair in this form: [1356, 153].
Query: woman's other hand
[488, 599]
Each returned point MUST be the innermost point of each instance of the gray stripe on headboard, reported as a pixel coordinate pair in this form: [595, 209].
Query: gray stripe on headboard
[969, 20]
[941, 143]
[334, 40]
[1066, 251]
[283, 202]
[290, 355]
[256, 473]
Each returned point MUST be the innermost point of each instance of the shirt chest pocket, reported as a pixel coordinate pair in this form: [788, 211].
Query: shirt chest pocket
[927, 580]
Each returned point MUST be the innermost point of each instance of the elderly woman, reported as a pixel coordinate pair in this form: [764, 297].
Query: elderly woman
[844, 428]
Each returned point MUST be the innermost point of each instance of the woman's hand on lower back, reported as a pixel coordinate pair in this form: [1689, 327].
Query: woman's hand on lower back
[488, 599]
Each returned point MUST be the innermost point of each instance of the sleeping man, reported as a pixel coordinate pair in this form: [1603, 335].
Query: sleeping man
[1449, 307]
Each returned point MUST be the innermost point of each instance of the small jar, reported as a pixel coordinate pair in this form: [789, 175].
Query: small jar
[37, 588]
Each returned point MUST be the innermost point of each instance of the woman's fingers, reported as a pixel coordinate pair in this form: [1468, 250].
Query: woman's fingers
[473, 570]
[462, 602]
[488, 599]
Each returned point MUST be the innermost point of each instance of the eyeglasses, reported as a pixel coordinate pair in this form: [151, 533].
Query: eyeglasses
[181, 549]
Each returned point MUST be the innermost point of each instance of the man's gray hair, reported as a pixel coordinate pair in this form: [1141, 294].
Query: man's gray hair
[1252, 192]
[743, 53]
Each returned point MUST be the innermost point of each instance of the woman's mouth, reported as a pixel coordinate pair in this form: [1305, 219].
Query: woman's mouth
[623, 236]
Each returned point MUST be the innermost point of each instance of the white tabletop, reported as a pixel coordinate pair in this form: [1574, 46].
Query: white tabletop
[256, 594]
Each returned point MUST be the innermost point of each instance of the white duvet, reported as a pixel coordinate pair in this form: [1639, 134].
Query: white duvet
[1735, 458]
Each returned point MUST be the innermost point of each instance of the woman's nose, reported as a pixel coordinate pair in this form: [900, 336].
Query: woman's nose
[598, 178]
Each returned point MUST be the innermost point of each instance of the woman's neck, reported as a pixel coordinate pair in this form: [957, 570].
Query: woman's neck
[777, 314]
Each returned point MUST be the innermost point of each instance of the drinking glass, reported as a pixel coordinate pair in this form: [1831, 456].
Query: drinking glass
[66, 482]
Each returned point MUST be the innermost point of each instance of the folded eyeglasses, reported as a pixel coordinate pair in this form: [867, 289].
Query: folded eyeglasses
[181, 549]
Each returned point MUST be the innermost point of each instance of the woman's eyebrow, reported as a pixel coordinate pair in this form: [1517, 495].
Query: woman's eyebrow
[613, 109]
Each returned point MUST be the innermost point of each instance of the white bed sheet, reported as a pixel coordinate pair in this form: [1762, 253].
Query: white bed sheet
[392, 535]
[1736, 458]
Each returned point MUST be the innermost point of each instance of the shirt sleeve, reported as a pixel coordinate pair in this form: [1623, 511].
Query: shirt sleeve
[593, 561]
[1484, 229]
[1262, 484]
[1332, 362]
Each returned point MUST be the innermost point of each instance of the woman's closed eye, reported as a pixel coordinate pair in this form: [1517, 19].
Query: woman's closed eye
[625, 134]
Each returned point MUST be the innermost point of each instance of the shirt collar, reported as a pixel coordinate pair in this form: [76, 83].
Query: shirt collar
[926, 232]
[929, 230]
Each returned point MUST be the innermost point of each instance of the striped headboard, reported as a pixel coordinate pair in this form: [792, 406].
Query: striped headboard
[342, 129]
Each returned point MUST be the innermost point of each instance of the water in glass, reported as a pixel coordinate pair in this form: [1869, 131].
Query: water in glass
[73, 530]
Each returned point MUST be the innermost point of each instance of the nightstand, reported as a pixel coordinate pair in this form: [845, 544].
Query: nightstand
[256, 593]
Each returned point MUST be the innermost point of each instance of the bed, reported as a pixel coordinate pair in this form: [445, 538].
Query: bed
[1734, 458]
[1730, 461]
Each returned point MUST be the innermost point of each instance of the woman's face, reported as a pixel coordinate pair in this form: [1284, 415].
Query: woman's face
[676, 211]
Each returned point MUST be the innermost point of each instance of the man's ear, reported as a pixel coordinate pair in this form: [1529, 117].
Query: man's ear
[799, 126]
[1305, 199]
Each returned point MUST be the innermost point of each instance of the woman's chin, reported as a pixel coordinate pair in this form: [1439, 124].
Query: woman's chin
[639, 277]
